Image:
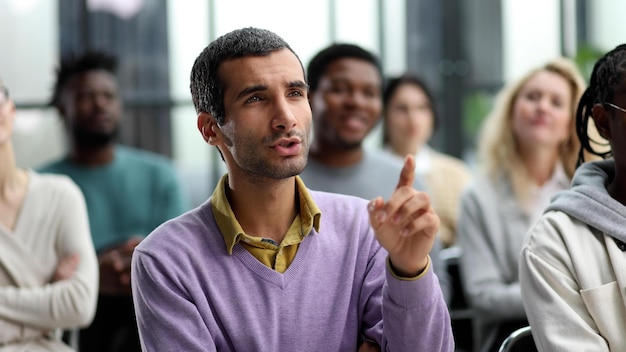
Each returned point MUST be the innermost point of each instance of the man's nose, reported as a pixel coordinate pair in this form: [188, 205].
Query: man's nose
[284, 118]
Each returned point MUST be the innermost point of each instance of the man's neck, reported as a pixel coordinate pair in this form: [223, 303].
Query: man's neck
[265, 210]
[93, 156]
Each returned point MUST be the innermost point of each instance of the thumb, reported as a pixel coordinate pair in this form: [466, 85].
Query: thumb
[377, 215]
[407, 175]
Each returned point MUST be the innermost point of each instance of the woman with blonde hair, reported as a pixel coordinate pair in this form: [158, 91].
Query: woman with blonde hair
[527, 153]
[48, 265]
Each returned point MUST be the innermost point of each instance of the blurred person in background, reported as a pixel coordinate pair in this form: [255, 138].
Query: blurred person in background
[345, 89]
[527, 153]
[129, 192]
[409, 122]
[48, 266]
[572, 263]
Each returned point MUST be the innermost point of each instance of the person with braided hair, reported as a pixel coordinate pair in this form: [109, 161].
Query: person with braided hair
[573, 265]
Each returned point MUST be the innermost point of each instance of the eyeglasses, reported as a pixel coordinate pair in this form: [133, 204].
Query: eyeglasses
[616, 107]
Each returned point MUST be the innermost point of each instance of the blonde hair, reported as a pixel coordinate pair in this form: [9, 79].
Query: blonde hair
[497, 147]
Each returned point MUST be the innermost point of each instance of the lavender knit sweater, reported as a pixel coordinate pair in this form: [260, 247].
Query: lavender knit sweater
[190, 295]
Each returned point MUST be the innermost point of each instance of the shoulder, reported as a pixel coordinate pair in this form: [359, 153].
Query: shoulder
[346, 203]
[142, 157]
[341, 213]
[388, 167]
[51, 180]
[483, 198]
[488, 187]
[345, 223]
[558, 227]
[340, 208]
[185, 233]
[479, 187]
[54, 185]
[53, 167]
[152, 166]
[558, 239]
[381, 158]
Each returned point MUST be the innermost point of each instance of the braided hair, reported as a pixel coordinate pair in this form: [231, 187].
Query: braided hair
[607, 73]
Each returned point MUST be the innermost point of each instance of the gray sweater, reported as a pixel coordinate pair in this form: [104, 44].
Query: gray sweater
[491, 230]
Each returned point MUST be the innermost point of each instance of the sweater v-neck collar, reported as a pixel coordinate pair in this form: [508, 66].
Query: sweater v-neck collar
[282, 280]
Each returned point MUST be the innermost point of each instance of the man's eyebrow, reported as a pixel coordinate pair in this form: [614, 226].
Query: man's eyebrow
[261, 88]
[297, 84]
[250, 90]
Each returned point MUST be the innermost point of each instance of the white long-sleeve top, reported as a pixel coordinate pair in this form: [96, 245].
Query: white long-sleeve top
[52, 224]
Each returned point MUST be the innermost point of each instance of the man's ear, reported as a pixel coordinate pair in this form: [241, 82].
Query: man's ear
[207, 126]
[601, 119]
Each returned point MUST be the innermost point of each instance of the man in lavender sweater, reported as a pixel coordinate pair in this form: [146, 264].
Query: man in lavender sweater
[268, 265]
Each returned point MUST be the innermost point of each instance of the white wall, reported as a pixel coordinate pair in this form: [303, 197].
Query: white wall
[188, 34]
[394, 37]
[607, 19]
[29, 36]
[531, 34]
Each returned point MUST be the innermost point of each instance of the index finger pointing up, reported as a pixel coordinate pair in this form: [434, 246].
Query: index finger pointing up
[407, 175]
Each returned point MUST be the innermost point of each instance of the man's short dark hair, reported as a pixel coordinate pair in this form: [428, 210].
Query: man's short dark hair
[72, 65]
[207, 89]
[319, 63]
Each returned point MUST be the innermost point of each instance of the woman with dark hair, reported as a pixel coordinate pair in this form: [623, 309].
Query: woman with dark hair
[409, 123]
[573, 267]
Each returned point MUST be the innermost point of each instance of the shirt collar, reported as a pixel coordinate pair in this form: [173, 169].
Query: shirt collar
[232, 231]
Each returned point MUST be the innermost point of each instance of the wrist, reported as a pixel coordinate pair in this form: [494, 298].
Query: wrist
[409, 271]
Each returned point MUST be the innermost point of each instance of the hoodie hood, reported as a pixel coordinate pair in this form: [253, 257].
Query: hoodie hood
[588, 200]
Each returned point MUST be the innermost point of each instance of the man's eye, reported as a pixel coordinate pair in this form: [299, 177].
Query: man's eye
[296, 93]
[253, 99]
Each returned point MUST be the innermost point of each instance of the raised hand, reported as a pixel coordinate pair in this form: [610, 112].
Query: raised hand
[405, 225]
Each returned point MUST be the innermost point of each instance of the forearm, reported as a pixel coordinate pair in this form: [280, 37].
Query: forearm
[415, 315]
[58, 305]
[11, 331]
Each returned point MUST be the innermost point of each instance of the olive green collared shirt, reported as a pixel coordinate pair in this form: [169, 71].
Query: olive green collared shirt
[277, 256]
